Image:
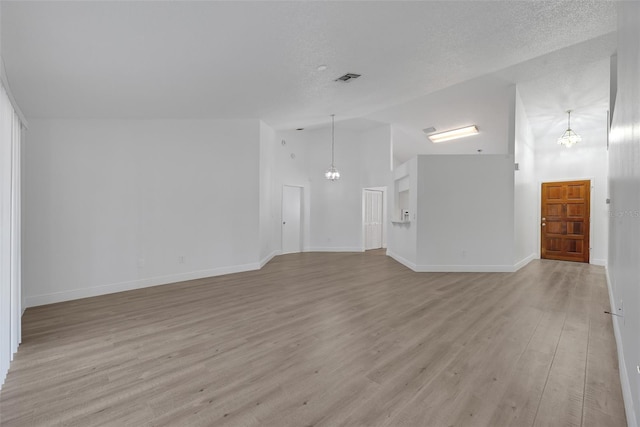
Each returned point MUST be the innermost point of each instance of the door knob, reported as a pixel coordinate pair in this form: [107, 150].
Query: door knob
[543, 224]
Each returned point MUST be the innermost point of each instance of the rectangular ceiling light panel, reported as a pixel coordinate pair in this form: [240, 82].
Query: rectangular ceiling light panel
[454, 134]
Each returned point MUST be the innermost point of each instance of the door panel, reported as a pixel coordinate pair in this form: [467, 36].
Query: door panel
[564, 228]
[372, 219]
[291, 219]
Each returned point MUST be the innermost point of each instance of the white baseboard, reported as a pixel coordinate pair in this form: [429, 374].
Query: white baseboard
[269, 257]
[601, 262]
[421, 268]
[402, 260]
[333, 249]
[518, 265]
[43, 299]
[629, 409]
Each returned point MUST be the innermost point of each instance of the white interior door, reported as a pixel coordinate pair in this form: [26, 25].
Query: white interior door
[372, 219]
[291, 219]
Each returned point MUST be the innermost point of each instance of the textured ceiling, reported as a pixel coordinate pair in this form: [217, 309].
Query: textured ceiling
[259, 59]
[575, 78]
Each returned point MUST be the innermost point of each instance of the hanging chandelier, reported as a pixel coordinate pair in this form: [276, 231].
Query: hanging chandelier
[569, 138]
[332, 174]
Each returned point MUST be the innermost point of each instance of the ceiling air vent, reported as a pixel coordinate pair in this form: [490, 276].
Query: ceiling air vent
[347, 77]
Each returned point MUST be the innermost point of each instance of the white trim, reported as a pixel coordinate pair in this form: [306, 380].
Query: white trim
[43, 299]
[518, 265]
[461, 268]
[334, 249]
[627, 397]
[601, 262]
[401, 260]
[5, 83]
[269, 257]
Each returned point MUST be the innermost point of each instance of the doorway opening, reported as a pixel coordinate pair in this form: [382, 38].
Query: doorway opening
[565, 220]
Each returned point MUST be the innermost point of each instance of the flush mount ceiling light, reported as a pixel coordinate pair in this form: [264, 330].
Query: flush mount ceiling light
[569, 138]
[332, 174]
[454, 134]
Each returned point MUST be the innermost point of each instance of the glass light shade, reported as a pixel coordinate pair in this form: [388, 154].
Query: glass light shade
[569, 138]
[332, 174]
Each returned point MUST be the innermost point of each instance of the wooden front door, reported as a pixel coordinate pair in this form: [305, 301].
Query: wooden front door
[565, 221]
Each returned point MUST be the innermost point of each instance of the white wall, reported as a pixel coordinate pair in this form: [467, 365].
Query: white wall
[114, 204]
[525, 246]
[465, 213]
[269, 192]
[586, 160]
[463, 189]
[376, 156]
[624, 221]
[401, 236]
[333, 210]
[485, 101]
[291, 169]
[336, 207]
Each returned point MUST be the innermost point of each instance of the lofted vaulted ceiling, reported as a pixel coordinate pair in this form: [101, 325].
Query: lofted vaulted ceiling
[259, 59]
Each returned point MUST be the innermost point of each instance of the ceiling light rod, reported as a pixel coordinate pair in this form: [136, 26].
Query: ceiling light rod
[569, 138]
[454, 134]
[332, 174]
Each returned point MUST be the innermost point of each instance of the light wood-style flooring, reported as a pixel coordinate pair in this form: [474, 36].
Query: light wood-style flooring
[325, 339]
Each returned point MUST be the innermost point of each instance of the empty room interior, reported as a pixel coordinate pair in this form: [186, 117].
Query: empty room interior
[310, 213]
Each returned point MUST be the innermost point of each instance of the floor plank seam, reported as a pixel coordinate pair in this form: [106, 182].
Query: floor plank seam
[586, 365]
[555, 351]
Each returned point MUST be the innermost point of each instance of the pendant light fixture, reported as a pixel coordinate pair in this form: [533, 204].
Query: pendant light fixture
[332, 174]
[569, 138]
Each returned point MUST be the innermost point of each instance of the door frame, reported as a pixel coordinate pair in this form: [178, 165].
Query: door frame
[384, 215]
[539, 211]
[302, 216]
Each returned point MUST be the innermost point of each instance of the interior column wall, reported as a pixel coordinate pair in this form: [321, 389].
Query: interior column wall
[465, 223]
[269, 213]
[525, 190]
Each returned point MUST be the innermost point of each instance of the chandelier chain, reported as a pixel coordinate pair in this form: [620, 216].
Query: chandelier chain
[333, 139]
